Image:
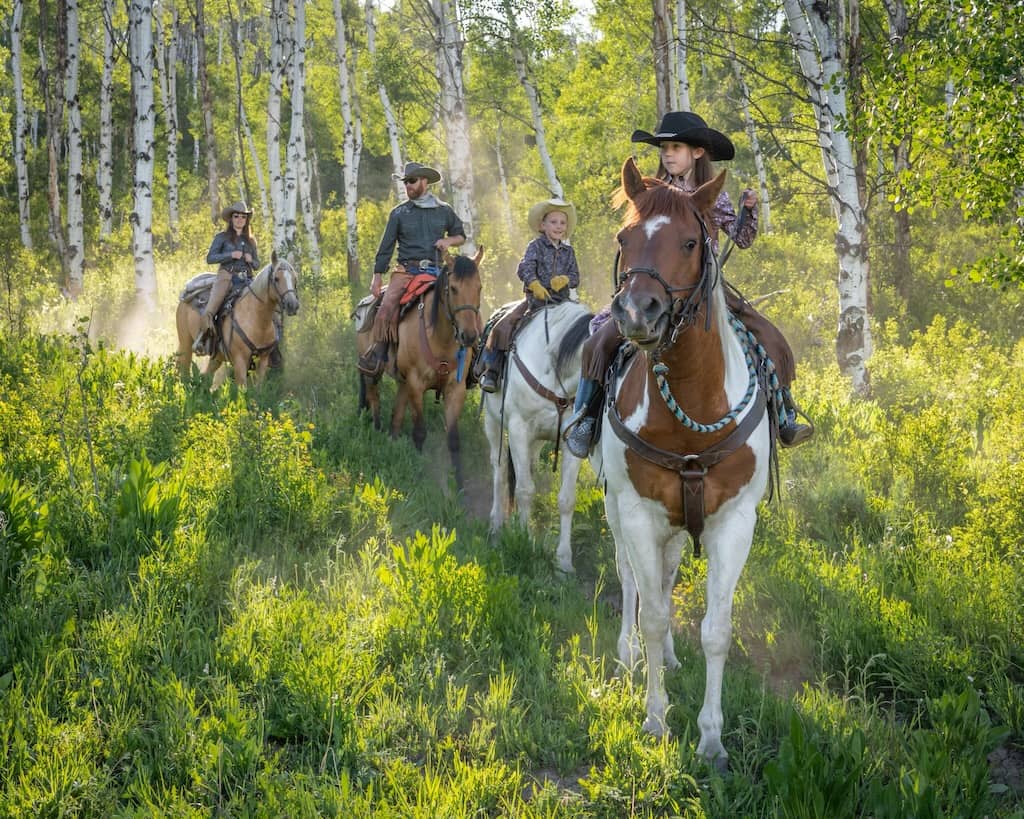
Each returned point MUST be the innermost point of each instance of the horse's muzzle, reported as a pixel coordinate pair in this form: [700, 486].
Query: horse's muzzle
[291, 304]
[640, 317]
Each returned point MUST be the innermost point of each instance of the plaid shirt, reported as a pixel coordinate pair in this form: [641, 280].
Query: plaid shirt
[543, 260]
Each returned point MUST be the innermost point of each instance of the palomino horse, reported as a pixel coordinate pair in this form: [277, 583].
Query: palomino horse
[668, 474]
[543, 372]
[247, 331]
[435, 342]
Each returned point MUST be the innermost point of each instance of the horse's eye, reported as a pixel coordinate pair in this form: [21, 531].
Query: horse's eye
[690, 244]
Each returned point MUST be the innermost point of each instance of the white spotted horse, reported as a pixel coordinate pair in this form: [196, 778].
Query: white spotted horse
[543, 371]
[686, 448]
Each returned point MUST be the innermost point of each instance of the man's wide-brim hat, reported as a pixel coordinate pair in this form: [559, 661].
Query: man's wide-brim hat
[235, 207]
[542, 209]
[414, 170]
[688, 127]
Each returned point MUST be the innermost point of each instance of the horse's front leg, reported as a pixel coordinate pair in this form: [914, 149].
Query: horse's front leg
[727, 545]
[398, 411]
[454, 398]
[521, 451]
[262, 365]
[566, 508]
[644, 538]
[628, 646]
[499, 464]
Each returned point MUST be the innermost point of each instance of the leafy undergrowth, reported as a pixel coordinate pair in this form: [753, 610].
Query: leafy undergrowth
[255, 604]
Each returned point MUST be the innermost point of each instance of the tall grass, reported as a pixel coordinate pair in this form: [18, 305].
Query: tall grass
[251, 603]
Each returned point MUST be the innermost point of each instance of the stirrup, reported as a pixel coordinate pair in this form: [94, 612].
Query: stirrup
[489, 381]
[579, 437]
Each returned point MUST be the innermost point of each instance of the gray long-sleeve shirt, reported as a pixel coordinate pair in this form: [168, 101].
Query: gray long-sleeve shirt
[415, 230]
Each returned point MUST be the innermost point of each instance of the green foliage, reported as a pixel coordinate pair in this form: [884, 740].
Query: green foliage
[146, 508]
[23, 527]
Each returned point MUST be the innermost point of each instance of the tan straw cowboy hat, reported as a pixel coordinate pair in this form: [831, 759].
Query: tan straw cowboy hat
[542, 209]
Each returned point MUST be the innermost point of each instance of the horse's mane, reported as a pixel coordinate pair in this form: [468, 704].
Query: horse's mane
[463, 267]
[572, 341]
[659, 199]
[261, 281]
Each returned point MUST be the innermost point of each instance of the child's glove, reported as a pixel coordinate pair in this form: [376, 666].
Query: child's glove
[538, 290]
[559, 283]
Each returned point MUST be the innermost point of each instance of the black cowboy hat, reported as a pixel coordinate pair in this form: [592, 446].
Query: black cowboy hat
[236, 207]
[686, 126]
[414, 170]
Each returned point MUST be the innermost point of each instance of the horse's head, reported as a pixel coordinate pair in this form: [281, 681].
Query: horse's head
[666, 266]
[284, 280]
[460, 292]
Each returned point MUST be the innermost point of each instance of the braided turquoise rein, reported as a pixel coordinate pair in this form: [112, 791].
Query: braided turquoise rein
[750, 346]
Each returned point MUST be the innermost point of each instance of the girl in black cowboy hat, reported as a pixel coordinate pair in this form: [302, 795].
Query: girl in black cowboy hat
[687, 147]
[234, 251]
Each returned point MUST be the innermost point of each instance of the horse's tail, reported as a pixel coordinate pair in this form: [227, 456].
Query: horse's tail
[572, 341]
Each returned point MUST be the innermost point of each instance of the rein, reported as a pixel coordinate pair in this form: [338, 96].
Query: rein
[561, 402]
[692, 468]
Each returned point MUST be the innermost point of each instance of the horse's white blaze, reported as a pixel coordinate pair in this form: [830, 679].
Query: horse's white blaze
[654, 224]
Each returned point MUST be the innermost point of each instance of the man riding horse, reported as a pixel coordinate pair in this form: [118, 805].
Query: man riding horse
[424, 228]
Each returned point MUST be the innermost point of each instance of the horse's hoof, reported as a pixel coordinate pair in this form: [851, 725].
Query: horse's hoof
[655, 727]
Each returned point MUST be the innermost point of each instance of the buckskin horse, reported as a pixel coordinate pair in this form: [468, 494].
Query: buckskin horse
[686, 442]
[435, 343]
[538, 389]
[248, 332]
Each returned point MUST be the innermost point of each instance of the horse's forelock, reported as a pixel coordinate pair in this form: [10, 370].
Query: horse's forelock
[463, 268]
[659, 199]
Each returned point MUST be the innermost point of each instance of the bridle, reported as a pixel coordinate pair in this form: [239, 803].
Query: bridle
[683, 311]
[452, 310]
[273, 280]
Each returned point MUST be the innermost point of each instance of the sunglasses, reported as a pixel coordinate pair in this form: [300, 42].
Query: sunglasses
[236, 215]
[413, 181]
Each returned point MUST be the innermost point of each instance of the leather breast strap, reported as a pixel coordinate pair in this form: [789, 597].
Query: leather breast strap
[692, 468]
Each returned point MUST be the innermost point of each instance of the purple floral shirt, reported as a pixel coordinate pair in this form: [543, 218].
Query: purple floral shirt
[543, 260]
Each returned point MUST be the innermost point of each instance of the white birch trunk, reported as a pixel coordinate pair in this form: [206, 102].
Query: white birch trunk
[20, 126]
[764, 218]
[662, 60]
[385, 101]
[245, 138]
[506, 207]
[682, 83]
[105, 166]
[295, 157]
[54, 104]
[278, 209]
[818, 52]
[140, 41]
[456, 117]
[351, 146]
[540, 134]
[73, 111]
[166, 63]
[212, 183]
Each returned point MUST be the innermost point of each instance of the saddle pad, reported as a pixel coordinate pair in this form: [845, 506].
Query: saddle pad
[420, 284]
[196, 285]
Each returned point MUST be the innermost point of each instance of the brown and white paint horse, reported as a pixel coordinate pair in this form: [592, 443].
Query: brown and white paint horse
[672, 307]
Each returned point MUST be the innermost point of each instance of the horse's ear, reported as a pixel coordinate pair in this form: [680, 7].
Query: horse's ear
[632, 179]
[707, 194]
[479, 255]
